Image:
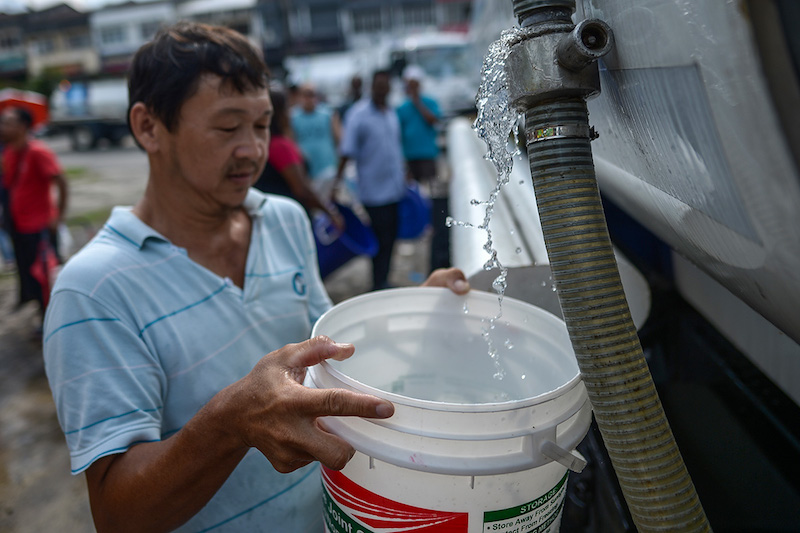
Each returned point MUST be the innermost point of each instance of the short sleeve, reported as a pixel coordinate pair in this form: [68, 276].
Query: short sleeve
[349, 143]
[107, 386]
[45, 162]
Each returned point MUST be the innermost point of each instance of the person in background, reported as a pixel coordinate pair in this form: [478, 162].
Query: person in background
[285, 172]
[317, 131]
[353, 96]
[6, 247]
[157, 329]
[292, 95]
[418, 116]
[30, 173]
[371, 138]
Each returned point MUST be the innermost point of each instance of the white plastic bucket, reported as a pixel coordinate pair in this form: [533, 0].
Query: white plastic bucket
[465, 451]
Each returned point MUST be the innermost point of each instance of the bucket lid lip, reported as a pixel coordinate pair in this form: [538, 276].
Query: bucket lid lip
[429, 404]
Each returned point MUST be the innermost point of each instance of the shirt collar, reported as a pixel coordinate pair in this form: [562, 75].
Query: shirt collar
[128, 226]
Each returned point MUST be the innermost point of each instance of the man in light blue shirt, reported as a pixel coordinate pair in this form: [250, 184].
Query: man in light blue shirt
[371, 137]
[156, 334]
[316, 130]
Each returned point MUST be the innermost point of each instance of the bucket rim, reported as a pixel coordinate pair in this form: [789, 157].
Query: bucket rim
[443, 406]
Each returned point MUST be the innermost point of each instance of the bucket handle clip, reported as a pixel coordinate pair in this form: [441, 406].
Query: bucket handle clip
[572, 460]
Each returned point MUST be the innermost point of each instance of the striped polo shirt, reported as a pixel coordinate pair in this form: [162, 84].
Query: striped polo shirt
[138, 337]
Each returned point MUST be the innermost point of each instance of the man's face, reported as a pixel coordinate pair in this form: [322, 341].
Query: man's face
[412, 87]
[11, 128]
[380, 88]
[308, 99]
[219, 146]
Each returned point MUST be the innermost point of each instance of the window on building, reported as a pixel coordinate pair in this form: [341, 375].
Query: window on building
[325, 20]
[9, 41]
[45, 45]
[367, 20]
[300, 22]
[455, 13]
[417, 15]
[78, 41]
[148, 29]
[112, 35]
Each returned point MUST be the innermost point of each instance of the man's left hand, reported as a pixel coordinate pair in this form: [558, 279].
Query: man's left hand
[452, 278]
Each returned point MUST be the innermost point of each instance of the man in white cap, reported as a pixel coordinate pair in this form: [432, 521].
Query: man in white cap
[418, 116]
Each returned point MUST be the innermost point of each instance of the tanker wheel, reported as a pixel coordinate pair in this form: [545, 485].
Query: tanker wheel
[82, 139]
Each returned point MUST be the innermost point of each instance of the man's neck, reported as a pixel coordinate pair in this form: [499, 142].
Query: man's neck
[19, 144]
[219, 241]
[185, 225]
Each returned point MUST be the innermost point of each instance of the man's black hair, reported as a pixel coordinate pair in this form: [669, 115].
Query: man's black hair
[166, 71]
[24, 116]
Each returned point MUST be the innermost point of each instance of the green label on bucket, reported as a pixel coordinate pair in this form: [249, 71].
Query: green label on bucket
[535, 516]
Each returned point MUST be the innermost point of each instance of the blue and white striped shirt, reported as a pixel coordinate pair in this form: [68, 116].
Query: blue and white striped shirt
[138, 337]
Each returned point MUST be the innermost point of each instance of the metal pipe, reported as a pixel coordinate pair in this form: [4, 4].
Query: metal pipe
[550, 74]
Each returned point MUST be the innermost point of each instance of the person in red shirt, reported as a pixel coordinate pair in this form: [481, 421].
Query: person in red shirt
[285, 171]
[30, 174]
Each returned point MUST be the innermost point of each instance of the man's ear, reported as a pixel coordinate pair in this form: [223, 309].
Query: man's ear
[146, 128]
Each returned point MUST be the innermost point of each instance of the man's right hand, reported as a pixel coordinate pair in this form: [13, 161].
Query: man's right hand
[272, 410]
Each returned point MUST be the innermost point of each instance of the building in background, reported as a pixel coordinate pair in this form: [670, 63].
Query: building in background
[13, 64]
[240, 15]
[119, 30]
[84, 46]
[310, 27]
[58, 42]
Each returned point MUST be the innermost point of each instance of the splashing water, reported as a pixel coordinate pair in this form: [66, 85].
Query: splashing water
[494, 124]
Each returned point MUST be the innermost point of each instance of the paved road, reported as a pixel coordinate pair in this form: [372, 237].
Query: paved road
[37, 493]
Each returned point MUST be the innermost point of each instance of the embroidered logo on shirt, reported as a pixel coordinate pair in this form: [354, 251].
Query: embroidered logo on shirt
[299, 284]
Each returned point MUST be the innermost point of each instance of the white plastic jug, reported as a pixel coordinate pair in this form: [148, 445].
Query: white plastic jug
[487, 414]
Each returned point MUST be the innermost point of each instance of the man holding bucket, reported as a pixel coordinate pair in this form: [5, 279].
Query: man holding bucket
[155, 334]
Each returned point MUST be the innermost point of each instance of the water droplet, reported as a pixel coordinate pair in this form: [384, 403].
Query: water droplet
[509, 345]
[518, 250]
[522, 376]
[466, 309]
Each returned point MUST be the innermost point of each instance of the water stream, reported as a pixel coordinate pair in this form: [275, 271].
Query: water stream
[494, 124]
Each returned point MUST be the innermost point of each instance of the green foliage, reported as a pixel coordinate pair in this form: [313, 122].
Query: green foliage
[45, 83]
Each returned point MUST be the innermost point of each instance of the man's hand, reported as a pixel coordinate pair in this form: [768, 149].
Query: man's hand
[277, 415]
[452, 278]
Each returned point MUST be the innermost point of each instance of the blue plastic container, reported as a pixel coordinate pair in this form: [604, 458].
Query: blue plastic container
[334, 249]
[414, 212]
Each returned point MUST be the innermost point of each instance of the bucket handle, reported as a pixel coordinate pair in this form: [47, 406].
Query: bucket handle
[572, 460]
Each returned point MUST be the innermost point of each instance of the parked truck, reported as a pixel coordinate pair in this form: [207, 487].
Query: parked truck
[90, 112]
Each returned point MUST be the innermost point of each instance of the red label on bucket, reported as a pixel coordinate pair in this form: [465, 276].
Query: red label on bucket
[350, 508]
